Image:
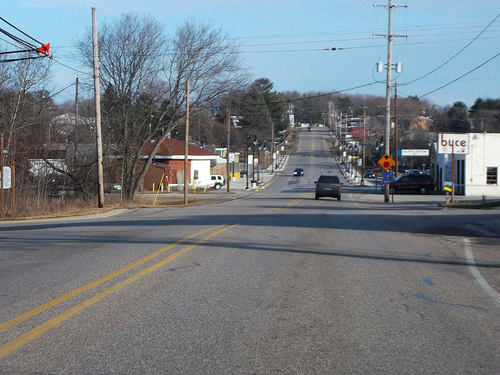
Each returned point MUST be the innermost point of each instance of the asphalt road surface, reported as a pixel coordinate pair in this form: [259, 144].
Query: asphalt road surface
[273, 283]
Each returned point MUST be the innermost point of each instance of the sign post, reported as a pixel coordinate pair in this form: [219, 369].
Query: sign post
[386, 162]
[376, 169]
[1, 176]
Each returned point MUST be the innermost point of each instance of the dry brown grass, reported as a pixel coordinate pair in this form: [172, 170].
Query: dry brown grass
[37, 208]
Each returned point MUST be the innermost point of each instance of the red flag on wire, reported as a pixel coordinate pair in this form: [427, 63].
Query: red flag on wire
[44, 48]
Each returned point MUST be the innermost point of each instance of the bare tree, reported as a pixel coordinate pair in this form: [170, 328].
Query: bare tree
[18, 109]
[145, 76]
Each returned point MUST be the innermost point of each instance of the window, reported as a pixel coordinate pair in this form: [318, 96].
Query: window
[329, 180]
[491, 175]
[195, 177]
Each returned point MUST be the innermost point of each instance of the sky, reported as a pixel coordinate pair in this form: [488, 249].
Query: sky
[448, 50]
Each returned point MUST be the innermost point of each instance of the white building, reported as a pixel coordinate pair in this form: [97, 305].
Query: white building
[476, 173]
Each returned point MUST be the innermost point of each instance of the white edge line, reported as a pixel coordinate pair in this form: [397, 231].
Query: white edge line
[477, 275]
[353, 201]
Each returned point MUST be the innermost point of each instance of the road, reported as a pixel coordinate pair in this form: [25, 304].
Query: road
[274, 283]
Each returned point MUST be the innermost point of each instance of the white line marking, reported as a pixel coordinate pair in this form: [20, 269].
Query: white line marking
[353, 201]
[477, 275]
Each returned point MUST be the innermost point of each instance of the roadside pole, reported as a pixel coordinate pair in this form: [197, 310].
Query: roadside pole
[1, 177]
[97, 96]
[186, 147]
[228, 168]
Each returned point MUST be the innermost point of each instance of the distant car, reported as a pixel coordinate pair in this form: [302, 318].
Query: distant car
[217, 181]
[419, 183]
[369, 173]
[328, 186]
[298, 172]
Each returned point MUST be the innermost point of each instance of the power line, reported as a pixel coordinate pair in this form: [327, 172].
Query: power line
[455, 55]
[333, 92]
[28, 47]
[462, 76]
[22, 32]
[69, 67]
[468, 25]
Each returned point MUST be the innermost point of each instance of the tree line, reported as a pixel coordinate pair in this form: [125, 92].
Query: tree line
[143, 76]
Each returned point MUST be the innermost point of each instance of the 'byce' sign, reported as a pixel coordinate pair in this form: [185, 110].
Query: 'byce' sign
[453, 144]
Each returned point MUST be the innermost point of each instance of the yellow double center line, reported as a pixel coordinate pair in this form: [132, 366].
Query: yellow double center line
[290, 204]
[54, 322]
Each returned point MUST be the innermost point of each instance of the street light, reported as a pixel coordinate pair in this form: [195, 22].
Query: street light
[255, 143]
[248, 145]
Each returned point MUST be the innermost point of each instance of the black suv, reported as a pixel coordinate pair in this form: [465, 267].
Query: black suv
[419, 183]
[328, 186]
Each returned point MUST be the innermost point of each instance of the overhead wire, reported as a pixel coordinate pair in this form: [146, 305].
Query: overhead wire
[22, 32]
[42, 51]
[462, 76]
[455, 55]
[69, 67]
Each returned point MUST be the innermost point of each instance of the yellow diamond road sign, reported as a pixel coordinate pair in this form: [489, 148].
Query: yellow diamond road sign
[386, 162]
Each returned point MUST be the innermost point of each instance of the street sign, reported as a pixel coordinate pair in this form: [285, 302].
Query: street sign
[376, 168]
[422, 152]
[386, 178]
[7, 178]
[386, 162]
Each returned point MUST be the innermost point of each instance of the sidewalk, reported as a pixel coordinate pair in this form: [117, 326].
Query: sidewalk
[354, 179]
[264, 175]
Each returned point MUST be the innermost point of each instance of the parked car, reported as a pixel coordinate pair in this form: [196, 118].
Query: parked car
[328, 186]
[419, 183]
[414, 171]
[217, 181]
[369, 173]
[298, 172]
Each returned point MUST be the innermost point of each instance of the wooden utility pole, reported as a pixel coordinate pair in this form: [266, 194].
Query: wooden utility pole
[330, 115]
[388, 96]
[186, 149]
[396, 126]
[97, 96]
[76, 120]
[390, 37]
[1, 177]
[228, 167]
[272, 149]
[13, 191]
[364, 145]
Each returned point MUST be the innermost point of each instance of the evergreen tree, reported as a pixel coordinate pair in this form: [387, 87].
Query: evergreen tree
[256, 116]
[459, 121]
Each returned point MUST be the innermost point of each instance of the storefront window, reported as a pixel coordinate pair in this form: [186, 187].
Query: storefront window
[491, 175]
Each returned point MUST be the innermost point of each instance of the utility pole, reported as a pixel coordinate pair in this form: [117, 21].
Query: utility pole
[186, 147]
[1, 175]
[396, 124]
[390, 36]
[228, 167]
[97, 96]
[364, 145]
[291, 117]
[330, 114]
[76, 120]
[272, 149]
